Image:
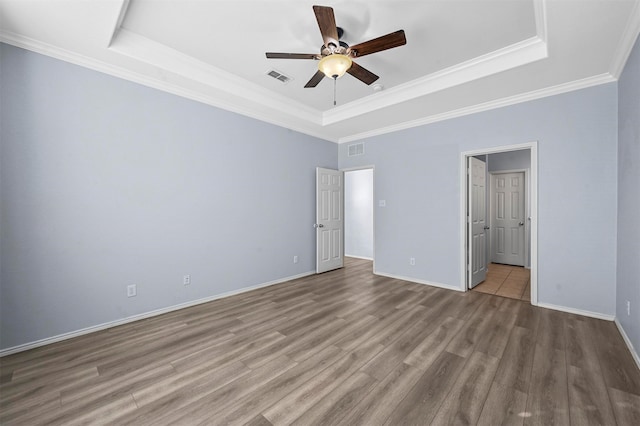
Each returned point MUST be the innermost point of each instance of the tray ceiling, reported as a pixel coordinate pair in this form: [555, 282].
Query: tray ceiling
[460, 57]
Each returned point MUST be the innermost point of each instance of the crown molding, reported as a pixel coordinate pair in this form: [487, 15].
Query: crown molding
[120, 72]
[133, 45]
[124, 7]
[499, 103]
[140, 48]
[252, 111]
[202, 82]
[540, 13]
[143, 49]
[515, 55]
[629, 36]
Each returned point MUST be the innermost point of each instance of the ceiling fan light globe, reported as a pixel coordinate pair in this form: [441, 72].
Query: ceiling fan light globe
[334, 66]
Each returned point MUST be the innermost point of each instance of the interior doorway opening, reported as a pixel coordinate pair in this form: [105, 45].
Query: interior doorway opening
[359, 214]
[494, 228]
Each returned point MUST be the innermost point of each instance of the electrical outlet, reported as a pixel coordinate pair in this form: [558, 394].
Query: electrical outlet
[186, 279]
[132, 291]
[412, 261]
[628, 307]
[295, 259]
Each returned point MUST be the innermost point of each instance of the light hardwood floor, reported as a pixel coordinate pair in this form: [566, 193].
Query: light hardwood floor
[341, 348]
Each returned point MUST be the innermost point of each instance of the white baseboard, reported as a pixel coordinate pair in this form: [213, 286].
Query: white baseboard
[418, 281]
[110, 324]
[358, 257]
[577, 311]
[634, 354]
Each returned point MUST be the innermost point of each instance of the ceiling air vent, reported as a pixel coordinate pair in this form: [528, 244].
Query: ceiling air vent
[356, 149]
[279, 76]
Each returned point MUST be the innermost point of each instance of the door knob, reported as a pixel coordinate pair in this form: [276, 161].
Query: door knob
[520, 223]
[315, 225]
[486, 227]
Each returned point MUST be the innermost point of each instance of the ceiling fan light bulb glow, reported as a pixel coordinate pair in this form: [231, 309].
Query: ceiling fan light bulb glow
[334, 66]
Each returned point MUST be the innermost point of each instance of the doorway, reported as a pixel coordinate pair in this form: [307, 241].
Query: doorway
[470, 236]
[359, 213]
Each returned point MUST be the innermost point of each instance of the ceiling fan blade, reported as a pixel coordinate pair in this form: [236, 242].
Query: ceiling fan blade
[317, 78]
[379, 44]
[362, 74]
[274, 55]
[327, 24]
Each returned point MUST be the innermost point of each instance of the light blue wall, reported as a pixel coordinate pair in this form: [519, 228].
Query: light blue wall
[106, 183]
[358, 213]
[628, 272]
[417, 173]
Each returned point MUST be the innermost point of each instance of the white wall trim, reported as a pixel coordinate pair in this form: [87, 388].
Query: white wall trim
[540, 12]
[498, 103]
[124, 7]
[143, 49]
[307, 122]
[627, 41]
[156, 312]
[518, 54]
[590, 314]
[417, 281]
[626, 339]
[533, 212]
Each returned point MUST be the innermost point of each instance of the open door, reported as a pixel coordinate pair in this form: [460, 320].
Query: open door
[329, 219]
[477, 188]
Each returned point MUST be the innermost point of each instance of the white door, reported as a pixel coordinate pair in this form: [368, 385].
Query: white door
[507, 218]
[329, 219]
[477, 218]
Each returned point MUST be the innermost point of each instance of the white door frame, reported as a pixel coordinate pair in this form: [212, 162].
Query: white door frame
[527, 223]
[373, 169]
[533, 212]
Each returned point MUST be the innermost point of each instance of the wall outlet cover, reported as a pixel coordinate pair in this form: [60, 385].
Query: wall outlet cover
[132, 290]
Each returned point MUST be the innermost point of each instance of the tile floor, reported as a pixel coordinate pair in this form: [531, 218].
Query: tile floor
[506, 281]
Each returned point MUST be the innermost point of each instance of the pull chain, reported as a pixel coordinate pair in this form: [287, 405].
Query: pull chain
[335, 79]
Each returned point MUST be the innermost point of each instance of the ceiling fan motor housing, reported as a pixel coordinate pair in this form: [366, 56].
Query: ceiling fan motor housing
[327, 50]
[341, 48]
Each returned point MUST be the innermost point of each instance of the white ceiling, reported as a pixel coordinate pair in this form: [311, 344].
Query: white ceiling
[461, 56]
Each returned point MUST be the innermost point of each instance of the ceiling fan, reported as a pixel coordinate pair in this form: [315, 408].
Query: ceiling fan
[336, 57]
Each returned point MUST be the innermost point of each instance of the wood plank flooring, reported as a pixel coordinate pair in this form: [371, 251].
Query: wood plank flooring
[342, 348]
